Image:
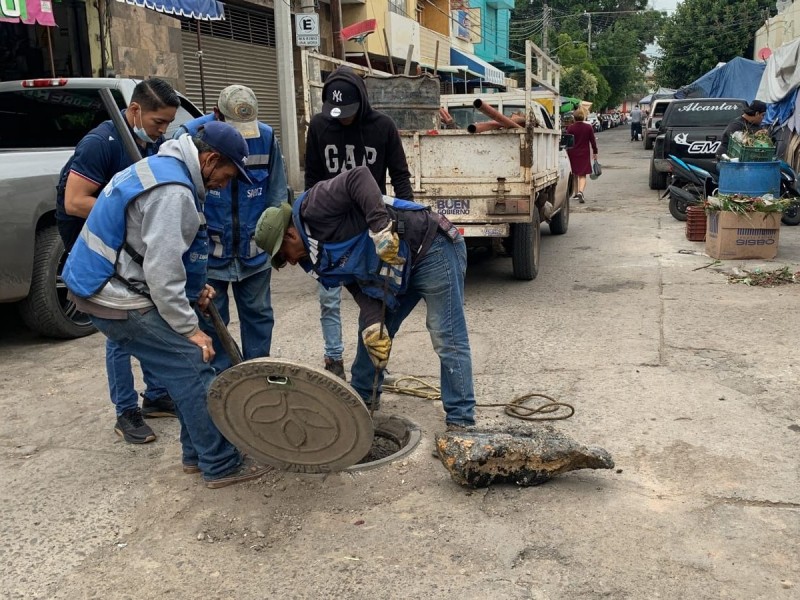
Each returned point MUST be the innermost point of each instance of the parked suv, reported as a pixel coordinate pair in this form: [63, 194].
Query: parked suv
[691, 130]
[41, 121]
[650, 127]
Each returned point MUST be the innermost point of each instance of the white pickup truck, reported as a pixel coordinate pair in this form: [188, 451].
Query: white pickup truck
[496, 186]
[41, 121]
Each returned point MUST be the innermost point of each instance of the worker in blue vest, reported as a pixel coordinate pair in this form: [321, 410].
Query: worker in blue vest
[389, 254]
[97, 158]
[232, 214]
[138, 269]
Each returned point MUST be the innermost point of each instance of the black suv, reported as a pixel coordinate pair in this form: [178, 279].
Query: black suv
[691, 130]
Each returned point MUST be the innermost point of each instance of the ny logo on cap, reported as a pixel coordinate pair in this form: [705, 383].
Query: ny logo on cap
[337, 96]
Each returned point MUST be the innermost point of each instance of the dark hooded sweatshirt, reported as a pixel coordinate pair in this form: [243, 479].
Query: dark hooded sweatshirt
[371, 140]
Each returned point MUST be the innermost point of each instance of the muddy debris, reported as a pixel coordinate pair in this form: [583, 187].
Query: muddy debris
[521, 455]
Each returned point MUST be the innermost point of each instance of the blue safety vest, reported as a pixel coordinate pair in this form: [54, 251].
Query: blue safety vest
[232, 213]
[355, 260]
[92, 262]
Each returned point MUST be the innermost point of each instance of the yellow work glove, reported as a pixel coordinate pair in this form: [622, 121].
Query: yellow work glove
[387, 245]
[378, 345]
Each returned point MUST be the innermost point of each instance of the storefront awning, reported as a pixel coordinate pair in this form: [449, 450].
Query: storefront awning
[201, 10]
[29, 12]
[507, 64]
[477, 65]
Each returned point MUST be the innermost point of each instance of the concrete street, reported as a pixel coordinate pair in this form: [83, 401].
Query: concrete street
[687, 380]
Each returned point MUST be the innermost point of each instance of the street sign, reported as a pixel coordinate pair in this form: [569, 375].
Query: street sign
[307, 29]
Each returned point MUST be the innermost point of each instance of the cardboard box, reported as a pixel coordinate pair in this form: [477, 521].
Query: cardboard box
[730, 235]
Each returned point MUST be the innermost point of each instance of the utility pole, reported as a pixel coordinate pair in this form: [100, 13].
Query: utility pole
[588, 14]
[545, 27]
[284, 51]
[336, 29]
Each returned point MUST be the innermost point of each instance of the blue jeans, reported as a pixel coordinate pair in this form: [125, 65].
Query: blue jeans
[120, 380]
[331, 320]
[438, 278]
[177, 362]
[256, 318]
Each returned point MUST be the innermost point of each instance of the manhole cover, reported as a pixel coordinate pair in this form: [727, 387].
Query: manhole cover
[395, 437]
[294, 417]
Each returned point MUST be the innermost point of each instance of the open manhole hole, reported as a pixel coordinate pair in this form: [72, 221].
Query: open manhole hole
[394, 438]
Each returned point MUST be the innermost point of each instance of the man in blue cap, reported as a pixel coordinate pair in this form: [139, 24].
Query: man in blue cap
[138, 269]
[234, 260]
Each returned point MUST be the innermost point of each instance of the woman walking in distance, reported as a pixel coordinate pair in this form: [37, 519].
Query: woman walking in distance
[580, 159]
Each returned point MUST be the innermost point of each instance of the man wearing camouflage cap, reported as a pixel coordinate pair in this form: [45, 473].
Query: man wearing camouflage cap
[232, 214]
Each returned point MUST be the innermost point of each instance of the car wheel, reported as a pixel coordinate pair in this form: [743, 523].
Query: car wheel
[47, 310]
[526, 243]
[648, 143]
[560, 222]
[658, 180]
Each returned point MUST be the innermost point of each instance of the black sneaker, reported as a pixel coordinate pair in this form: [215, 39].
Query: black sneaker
[131, 426]
[160, 407]
[336, 367]
[581, 199]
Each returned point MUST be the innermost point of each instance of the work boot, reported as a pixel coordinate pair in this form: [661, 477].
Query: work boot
[160, 407]
[131, 426]
[248, 470]
[336, 367]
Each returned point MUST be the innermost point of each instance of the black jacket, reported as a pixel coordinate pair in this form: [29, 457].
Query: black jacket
[371, 140]
[344, 206]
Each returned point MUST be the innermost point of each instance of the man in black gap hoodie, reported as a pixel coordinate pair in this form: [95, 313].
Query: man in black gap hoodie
[349, 133]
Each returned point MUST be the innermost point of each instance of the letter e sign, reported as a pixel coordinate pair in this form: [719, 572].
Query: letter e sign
[307, 29]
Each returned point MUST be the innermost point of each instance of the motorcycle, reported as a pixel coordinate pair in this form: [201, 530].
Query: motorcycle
[692, 185]
[791, 216]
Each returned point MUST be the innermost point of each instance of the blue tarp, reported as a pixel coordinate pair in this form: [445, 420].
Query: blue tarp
[738, 78]
[202, 10]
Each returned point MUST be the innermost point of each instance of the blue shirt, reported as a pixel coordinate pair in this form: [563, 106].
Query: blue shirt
[101, 154]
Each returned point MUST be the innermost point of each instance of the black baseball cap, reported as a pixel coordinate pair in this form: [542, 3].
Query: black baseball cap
[755, 107]
[342, 100]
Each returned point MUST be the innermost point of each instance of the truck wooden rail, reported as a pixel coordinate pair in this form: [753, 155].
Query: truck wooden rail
[496, 185]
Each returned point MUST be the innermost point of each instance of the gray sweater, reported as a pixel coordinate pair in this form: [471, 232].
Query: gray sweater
[161, 225]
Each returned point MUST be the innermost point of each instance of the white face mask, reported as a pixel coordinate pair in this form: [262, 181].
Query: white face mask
[141, 133]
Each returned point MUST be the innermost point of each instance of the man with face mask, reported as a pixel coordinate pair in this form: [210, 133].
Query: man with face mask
[98, 157]
[138, 269]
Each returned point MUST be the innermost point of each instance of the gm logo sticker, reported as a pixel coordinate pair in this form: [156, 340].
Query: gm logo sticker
[452, 207]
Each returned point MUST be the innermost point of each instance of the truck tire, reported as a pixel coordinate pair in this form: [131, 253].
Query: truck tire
[46, 310]
[560, 223]
[658, 180]
[648, 142]
[526, 239]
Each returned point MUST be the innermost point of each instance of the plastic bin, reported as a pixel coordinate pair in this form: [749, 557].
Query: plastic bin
[749, 153]
[750, 178]
[411, 101]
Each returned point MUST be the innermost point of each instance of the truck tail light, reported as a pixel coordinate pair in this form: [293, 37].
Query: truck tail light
[38, 83]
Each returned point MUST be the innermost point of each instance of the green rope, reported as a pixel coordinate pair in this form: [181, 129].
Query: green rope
[517, 408]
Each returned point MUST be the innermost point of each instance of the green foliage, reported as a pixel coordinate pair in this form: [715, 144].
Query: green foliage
[578, 83]
[702, 33]
[620, 32]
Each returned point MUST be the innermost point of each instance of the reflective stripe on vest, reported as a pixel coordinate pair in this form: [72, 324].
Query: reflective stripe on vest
[92, 261]
[233, 212]
[355, 260]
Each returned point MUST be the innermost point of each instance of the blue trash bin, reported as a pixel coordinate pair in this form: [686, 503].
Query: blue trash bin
[750, 178]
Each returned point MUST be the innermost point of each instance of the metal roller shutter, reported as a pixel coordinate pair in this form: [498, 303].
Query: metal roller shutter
[241, 50]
